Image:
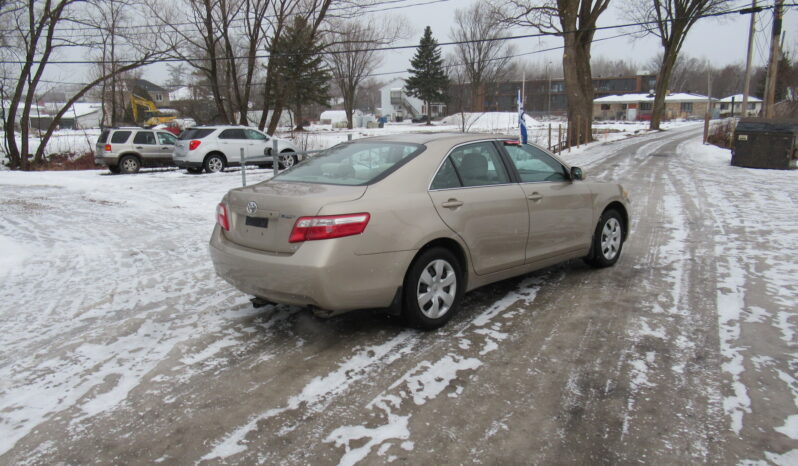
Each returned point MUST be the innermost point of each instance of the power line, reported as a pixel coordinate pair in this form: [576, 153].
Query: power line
[365, 9]
[400, 47]
[389, 73]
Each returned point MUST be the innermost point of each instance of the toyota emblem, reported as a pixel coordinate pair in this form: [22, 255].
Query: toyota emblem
[252, 207]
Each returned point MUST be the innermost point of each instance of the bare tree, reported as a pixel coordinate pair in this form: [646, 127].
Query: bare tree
[484, 62]
[41, 28]
[672, 20]
[109, 19]
[221, 39]
[351, 57]
[574, 21]
[605, 67]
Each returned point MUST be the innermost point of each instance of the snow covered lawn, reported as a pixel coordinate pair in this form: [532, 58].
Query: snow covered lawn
[118, 339]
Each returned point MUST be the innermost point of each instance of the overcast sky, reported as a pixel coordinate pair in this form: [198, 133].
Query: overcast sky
[723, 40]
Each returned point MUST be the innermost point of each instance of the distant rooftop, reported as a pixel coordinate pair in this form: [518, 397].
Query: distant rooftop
[739, 98]
[632, 98]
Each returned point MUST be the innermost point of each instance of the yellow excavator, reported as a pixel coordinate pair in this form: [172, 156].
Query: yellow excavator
[151, 115]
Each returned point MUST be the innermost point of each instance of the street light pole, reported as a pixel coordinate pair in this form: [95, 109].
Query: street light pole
[548, 89]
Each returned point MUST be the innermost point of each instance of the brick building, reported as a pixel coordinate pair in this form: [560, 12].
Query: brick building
[543, 96]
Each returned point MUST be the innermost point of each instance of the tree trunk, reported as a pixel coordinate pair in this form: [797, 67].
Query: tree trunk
[429, 113]
[349, 107]
[669, 55]
[277, 112]
[578, 81]
[477, 99]
[298, 118]
[267, 89]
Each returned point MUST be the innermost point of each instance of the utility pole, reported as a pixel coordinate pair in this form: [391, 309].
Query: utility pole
[747, 85]
[773, 62]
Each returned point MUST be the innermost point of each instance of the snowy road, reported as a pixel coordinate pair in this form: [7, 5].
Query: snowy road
[119, 345]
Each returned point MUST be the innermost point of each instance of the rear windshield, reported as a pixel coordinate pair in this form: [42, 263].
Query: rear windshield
[103, 137]
[352, 164]
[120, 137]
[195, 133]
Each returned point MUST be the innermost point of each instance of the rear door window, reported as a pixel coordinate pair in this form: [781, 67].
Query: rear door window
[195, 133]
[120, 137]
[447, 177]
[232, 134]
[144, 137]
[479, 164]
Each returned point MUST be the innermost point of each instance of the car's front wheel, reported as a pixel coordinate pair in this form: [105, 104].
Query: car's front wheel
[607, 240]
[214, 163]
[433, 289]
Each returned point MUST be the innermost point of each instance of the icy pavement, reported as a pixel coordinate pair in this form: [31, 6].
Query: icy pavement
[119, 345]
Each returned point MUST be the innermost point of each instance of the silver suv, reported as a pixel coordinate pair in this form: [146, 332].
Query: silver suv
[126, 150]
[213, 148]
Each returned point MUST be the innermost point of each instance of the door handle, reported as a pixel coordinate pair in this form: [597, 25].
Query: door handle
[452, 204]
[139, 147]
[536, 196]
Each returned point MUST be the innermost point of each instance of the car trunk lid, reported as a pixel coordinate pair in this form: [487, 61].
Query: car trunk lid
[263, 215]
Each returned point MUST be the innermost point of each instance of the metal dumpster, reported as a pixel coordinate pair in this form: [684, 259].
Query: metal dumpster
[766, 143]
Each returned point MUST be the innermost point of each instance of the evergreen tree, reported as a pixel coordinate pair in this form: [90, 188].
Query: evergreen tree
[302, 77]
[428, 81]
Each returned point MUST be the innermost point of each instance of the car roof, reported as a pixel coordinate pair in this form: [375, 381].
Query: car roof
[427, 137]
[224, 127]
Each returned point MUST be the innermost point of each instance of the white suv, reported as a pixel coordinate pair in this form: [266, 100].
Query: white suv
[215, 147]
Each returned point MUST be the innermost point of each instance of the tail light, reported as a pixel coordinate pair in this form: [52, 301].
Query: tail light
[329, 226]
[221, 216]
[194, 144]
[108, 148]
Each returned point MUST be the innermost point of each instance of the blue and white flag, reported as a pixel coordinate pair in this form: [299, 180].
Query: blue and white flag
[521, 123]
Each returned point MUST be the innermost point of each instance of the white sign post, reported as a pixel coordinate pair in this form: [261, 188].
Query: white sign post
[275, 157]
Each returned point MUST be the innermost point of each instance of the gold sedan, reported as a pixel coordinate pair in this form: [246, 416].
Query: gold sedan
[411, 222]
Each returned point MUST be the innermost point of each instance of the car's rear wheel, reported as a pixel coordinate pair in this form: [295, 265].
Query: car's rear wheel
[287, 159]
[433, 289]
[214, 163]
[607, 240]
[129, 164]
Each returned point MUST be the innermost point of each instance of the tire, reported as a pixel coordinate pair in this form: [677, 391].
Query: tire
[607, 240]
[114, 169]
[129, 164]
[433, 289]
[194, 170]
[287, 160]
[214, 163]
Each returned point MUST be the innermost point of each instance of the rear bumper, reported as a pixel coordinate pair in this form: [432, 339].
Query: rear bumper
[106, 160]
[324, 274]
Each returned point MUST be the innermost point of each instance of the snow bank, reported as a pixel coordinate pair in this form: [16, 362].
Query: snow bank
[490, 122]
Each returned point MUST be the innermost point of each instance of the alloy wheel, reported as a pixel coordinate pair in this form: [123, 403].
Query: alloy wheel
[611, 239]
[437, 288]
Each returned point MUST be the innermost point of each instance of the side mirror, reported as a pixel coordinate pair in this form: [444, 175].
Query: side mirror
[576, 174]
